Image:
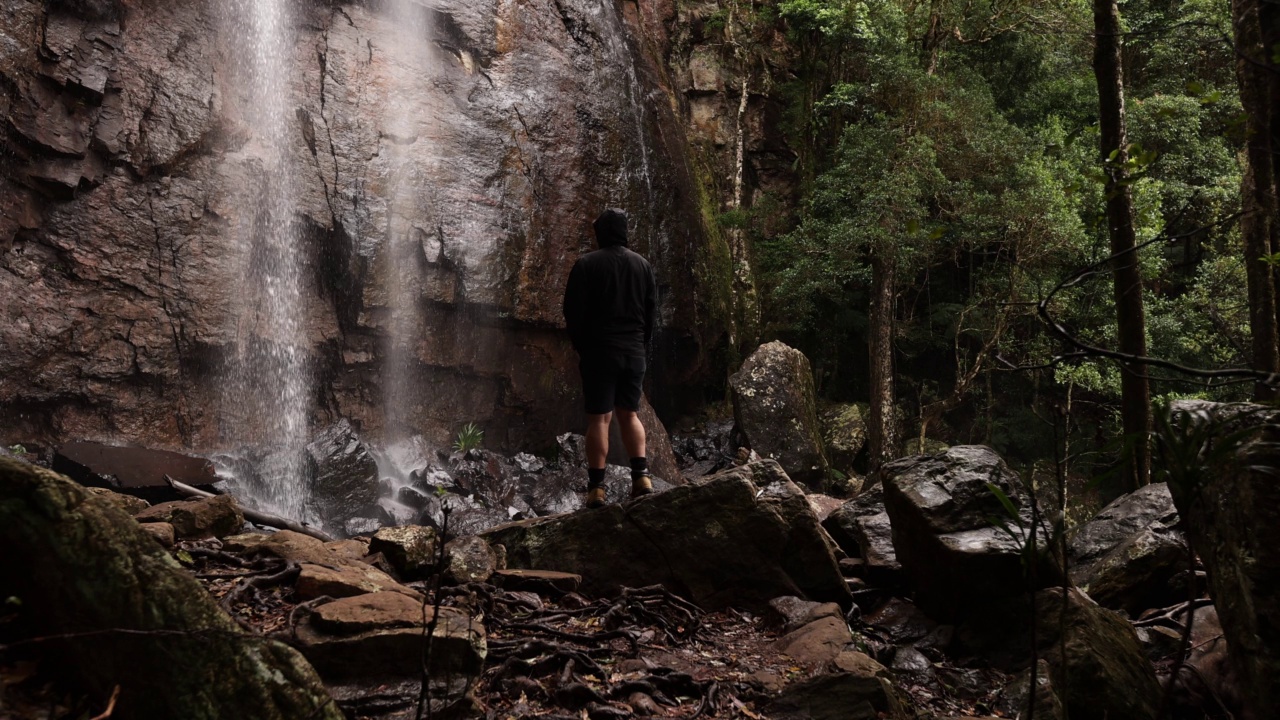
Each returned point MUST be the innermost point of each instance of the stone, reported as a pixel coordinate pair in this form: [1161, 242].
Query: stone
[860, 664]
[774, 407]
[838, 696]
[925, 446]
[741, 537]
[1015, 698]
[542, 582]
[163, 532]
[942, 513]
[791, 612]
[128, 503]
[218, 516]
[816, 643]
[901, 621]
[1232, 517]
[352, 549]
[844, 432]
[1097, 667]
[80, 564]
[381, 634]
[411, 549]
[1126, 556]
[343, 476]
[345, 581]
[823, 505]
[132, 470]
[861, 528]
[470, 559]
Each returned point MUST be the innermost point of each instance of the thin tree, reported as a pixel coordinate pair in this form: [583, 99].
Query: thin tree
[1260, 222]
[1135, 392]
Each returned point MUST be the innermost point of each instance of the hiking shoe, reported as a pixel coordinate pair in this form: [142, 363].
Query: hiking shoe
[595, 497]
[641, 484]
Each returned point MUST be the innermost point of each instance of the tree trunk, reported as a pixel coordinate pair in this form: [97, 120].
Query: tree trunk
[881, 425]
[1258, 192]
[1135, 393]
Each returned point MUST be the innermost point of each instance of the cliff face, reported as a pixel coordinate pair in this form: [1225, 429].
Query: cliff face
[458, 179]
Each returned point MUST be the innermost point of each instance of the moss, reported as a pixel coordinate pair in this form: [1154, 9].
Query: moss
[85, 566]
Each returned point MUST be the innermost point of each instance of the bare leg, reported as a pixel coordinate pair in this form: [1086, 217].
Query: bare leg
[598, 440]
[632, 432]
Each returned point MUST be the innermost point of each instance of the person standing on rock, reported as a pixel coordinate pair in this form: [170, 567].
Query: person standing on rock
[610, 308]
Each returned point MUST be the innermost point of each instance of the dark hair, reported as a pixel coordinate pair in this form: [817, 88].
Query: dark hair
[611, 228]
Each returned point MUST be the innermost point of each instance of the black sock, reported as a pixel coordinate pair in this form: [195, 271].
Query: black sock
[639, 466]
[595, 477]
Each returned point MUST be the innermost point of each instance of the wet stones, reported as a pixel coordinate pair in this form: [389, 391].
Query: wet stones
[218, 516]
[343, 473]
[411, 549]
[775, 409]
[943, 516]
[1127, 555]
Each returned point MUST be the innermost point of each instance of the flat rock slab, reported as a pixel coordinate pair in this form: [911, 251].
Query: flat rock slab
[138, 471]
[381, 635]
[543, 582]
[369, 612]
[357, 579]
[742, 537]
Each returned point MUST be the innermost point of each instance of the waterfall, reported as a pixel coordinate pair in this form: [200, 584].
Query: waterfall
[267, 397]
[404, 136]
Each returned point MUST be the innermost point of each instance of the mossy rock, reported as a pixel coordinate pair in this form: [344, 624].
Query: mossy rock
[81, 565]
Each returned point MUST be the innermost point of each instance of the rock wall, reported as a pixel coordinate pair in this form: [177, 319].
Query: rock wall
[129, 172]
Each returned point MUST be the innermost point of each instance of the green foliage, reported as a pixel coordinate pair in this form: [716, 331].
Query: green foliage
[470, 437]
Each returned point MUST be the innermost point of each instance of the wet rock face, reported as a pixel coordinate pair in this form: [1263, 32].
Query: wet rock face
[344, 475]
[1126, 556]
[130, 168]
[774, 406]
[941, 510]
[761, 541]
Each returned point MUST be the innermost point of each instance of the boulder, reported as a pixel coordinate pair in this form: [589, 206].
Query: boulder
[343, 475]
[1126, 556]
[82, 565]
[774, 407]
[944, 519]
[470, 559]
[838, 696]
[411, 549]
[862, 529]
[791, 613]
[1232, 516]
[128, 503]
[1015, 699]
[844, 432]
[217, 516]
[163, 532]
[132, 470]
[744, 536]
[1097, 667]
[316, 581]
[381, 635]
[816, 643]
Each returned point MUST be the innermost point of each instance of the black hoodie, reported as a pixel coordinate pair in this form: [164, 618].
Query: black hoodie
[611, 302]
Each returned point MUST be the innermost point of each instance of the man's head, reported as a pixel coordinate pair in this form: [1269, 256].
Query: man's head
[611, 228]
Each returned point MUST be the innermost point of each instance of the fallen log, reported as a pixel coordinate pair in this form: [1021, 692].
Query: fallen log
[253, 516]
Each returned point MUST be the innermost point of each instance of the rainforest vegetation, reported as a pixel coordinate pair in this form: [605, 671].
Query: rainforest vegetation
[956, 169]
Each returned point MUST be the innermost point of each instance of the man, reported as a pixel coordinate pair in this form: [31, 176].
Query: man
[610, 307]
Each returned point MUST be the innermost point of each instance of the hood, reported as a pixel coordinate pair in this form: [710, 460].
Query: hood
[611, 228]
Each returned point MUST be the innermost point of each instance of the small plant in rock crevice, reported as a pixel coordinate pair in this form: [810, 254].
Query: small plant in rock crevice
[470, 437]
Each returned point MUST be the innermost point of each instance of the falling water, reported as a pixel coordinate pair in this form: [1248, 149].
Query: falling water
[269, 389]
[404, 134]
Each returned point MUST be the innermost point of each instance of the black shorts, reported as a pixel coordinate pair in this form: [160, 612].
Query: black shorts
[611, 380]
